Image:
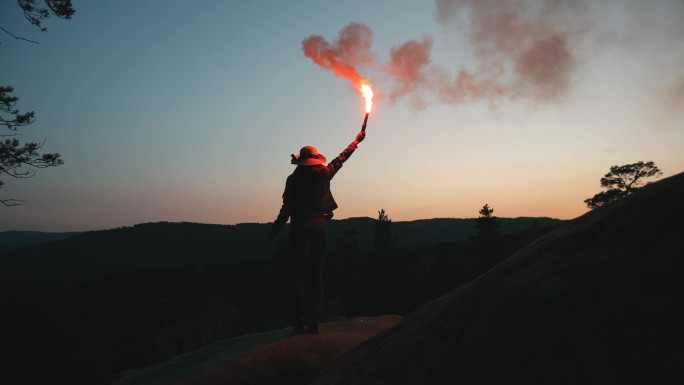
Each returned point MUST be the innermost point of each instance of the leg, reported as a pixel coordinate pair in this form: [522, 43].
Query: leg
[298, 243]
[318, 239]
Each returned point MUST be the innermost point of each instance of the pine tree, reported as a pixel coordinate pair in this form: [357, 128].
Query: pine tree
[623, 180]
[383, 232]
[487, 226]
[17, 159]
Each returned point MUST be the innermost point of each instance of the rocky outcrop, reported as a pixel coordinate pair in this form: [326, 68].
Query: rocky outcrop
[276, 357]
[596, 301]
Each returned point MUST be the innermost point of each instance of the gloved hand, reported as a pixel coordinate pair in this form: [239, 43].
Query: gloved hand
[361, 136]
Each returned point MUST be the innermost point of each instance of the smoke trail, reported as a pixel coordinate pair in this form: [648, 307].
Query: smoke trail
[409, 66]
[350, 50]
[522, 50]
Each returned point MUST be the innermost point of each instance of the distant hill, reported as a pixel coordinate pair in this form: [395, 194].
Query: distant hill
[14, 239]
[139, 295]
[95, 254]
[428, 232]
[69, 257]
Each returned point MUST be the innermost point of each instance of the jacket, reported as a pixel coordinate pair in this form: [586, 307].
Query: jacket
[307, 192]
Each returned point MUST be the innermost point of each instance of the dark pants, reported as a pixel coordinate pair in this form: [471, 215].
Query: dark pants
[308, 241]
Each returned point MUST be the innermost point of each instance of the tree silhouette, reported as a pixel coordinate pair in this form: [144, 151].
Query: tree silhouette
[487, 226]
[35, 14]
[17, 159]
[623, 180]
[383, 238]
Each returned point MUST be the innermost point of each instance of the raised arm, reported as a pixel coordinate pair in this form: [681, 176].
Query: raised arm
[336, 164]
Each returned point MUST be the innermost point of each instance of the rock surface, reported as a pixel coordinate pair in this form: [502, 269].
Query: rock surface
[275, 357]
[596, 301]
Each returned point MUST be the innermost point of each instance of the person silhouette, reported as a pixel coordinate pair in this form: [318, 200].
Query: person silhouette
[309, 205]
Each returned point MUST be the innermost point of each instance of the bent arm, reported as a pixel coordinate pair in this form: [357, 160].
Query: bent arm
[279, 223]
[283, 215]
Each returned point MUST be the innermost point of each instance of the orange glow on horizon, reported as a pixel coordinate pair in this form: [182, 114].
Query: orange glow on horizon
[368, 95]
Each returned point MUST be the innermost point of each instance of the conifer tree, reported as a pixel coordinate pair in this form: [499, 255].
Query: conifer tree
[21, 159]
[623, 180]
[487, 225]
[383, 232]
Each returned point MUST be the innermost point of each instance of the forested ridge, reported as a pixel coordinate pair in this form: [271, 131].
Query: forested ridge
[111, 316]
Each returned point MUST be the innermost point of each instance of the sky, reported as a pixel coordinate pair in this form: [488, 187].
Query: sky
[189, 111]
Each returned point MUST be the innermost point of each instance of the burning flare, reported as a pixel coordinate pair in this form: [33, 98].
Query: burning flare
[368, 95]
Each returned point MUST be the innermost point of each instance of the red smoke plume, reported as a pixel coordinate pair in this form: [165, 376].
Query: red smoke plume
[409, 64]
[350, 50]
[522, 50]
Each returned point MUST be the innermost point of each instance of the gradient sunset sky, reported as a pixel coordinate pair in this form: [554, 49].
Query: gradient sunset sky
[189, 111]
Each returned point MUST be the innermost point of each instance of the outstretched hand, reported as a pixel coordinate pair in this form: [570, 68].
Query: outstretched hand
[361, 136]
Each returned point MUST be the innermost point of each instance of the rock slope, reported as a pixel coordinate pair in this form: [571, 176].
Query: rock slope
[596, 301]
